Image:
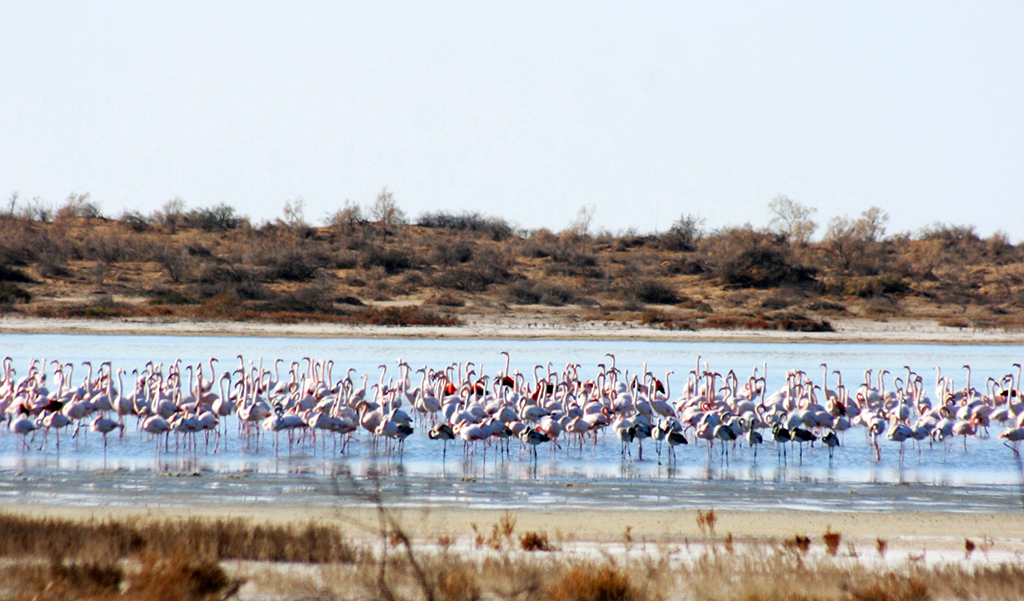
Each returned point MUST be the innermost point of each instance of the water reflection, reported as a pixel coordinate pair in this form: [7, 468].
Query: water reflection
[258, 467]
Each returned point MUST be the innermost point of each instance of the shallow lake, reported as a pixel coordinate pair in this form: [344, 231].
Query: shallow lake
[137, 471]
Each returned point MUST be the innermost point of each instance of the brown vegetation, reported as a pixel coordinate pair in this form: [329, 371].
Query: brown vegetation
[189, 559]
[213, 263]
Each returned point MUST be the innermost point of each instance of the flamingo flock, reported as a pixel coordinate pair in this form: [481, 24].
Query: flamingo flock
[199, 406]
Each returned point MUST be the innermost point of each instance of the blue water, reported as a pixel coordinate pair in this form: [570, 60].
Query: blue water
[137, 471]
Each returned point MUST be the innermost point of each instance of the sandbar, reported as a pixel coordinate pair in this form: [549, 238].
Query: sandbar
[513, 327]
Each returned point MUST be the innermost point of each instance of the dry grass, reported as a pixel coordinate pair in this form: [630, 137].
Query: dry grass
[706, 521]
[215, 540]
[124, 560]
[175, 577]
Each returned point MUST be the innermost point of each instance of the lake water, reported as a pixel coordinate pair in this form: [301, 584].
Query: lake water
[137, 471]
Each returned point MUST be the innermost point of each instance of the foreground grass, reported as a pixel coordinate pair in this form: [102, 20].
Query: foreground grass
[45, 558]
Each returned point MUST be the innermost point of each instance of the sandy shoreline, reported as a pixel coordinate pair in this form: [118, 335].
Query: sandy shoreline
[518, 328]
[904, 529]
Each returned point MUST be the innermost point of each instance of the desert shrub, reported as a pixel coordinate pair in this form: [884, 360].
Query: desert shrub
[18, 242]
[684, 234]
[868, 286]
[527, 292]
[450, 253]
[108, 246]
[78, 205]
[540, 244]
[476, 278]
[348, 217]
[650, 291]
[51, 257]
[311, 298]
[408, 315]
[299, 264]
[488, 267]
[392, 259]
[747, 257]
[494, 227]
[11, 293]
[825, 306]
[632, 239]
[344, 259]
[13, 274]
[219, 218]
[686, 266]
[175, 260]
[135, 220]
[857, 246]
[173, 297]
[779, 301]
[447, 299]
[237, 280]
[572, 256]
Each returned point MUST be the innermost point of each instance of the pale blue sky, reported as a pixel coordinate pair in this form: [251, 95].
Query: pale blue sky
[523, 110]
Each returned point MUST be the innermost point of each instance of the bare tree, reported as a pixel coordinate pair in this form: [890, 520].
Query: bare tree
[584, 218]
[855, 243]
[386, 211]
[792, 219]
[171, 214]
[295, 212]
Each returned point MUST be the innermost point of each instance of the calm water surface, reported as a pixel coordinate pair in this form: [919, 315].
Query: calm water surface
[136, 471]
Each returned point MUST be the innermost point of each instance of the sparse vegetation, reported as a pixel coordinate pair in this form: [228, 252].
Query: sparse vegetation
[468, 264]
[48, 558]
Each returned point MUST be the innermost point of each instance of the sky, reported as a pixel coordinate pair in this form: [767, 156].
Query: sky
[524, 110]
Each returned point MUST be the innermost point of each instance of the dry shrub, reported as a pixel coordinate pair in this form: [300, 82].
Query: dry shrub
[405, 316]
[751, 258]
[22, 537]
[501, 531]
[589, 582]
[798, 543]
[392, 259]
[891, 587]
[650, 291]
[706, 521]
[458, 585]
[447, 299]
[868, 286]
[528, 292]
[180, 577]
[832, 540]
[786, 323]
[969, 547]
[11, 293]
[881, 545]
[535, 541]
[64, 580]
